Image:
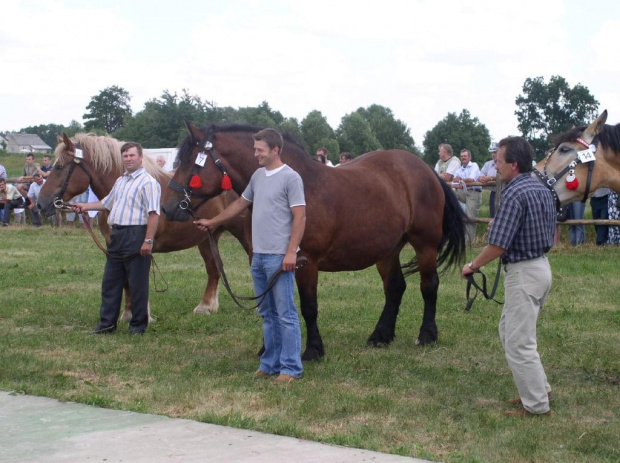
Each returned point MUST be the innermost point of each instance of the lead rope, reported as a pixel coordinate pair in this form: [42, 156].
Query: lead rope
[300, 263]
[60, 205]
[471, 281]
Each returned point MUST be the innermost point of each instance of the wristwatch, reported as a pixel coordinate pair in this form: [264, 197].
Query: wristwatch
[472, 268]
[149, 240]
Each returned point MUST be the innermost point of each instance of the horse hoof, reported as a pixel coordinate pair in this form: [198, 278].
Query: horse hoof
[425, 342]
[312, 355]
[376, 340]
[126, 317]
[205, 309]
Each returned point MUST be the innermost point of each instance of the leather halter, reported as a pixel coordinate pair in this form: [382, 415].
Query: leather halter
[76, 162]
[190, 192]
[549, 182]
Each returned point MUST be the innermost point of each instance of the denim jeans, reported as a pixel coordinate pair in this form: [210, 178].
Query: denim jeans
[281, 331]
[577, 233]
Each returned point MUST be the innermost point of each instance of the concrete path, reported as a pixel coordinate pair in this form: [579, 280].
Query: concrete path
[37, 429]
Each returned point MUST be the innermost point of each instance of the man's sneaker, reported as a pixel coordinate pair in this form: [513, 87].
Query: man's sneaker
[103, 329]
[260, 374]
[285, 379]
[521, 412]
[517, 400]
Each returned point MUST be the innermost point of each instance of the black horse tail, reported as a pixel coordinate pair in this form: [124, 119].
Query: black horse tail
[453, 245]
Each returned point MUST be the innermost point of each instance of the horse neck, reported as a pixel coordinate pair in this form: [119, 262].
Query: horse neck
[610, 169]
[103, 182]
[238, 149]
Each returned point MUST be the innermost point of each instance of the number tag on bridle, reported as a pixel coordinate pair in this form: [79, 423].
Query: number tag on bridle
[201, 159]
[586, 156]
[79, 154]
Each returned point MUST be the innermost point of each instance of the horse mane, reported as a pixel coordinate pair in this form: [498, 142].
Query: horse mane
[609, 137]
[211, 130]
[105, 155]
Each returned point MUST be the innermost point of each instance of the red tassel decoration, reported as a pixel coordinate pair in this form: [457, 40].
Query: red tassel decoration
[572, 182]
[226, 183]
[195, 181]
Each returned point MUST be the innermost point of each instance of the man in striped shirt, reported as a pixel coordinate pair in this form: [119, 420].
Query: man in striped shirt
[134, 214]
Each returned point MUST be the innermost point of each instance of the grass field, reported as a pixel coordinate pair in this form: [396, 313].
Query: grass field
[444, 402]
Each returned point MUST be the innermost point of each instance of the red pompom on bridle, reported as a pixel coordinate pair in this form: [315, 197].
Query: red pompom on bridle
[195, 182]
[572, 182]
[226, 183]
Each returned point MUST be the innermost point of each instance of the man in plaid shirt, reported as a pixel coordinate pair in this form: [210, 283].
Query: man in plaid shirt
[521, 234]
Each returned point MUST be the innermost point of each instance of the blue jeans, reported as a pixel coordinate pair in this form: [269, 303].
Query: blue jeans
[577, 233]
[281, 331]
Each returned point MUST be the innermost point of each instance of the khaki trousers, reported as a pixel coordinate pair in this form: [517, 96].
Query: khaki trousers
[527, 284]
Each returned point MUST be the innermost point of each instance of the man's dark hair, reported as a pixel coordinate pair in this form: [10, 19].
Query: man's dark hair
[36, 175]
[132, 144]
[323, 150]
[47, 156]
[518, 150]
[271, 137]
[30, 155]
[346, 155]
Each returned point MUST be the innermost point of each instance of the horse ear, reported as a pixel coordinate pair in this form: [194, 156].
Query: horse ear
[69, 146]
[194, 132]
[595, 127]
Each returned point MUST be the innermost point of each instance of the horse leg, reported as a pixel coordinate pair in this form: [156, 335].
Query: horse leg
[429, 284]
[394, 286]
[127, 314]
[209, 303]
[307, 281]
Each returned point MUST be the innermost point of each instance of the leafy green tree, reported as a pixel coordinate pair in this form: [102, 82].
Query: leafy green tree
[545, 110]
[73, 128]
[391, 133]
[162, 121]
[317, 133]
[291, 126]
[355, 135]
[461, 132]
[108, 110]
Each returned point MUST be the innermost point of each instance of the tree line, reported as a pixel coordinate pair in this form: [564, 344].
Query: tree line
[543, 110]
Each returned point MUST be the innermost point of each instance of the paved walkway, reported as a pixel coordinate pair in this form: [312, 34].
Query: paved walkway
[37, 429]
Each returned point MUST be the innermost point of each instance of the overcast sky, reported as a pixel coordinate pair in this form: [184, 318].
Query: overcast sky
[422, 59]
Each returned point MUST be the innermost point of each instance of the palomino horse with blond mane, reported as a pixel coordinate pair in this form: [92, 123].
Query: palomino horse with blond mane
[583, 160]
[100, 166]
[357, 215]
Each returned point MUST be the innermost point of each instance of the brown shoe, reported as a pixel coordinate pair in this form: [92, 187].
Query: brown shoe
[521, 412]
[285, 379]
[517, 400]
[260, 374]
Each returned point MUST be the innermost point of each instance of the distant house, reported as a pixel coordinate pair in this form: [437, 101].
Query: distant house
[3, 142]
[25, 143]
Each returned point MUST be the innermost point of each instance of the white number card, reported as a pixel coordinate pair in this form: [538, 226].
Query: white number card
[79, 154]
[586, 156]
[201, 159]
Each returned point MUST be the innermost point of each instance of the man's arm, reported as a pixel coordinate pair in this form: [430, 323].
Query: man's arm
[488, 254]
[236, 208]
[151, 228]
[83, 207]
[297, 233]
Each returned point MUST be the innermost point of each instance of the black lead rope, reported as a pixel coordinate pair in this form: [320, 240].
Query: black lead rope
[471, 281]
[301, 262]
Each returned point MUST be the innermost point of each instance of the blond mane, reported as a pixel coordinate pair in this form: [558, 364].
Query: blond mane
[105, 155]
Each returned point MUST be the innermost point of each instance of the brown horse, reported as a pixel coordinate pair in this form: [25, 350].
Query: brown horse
[357, 215]
[100, 167]
[571, 153]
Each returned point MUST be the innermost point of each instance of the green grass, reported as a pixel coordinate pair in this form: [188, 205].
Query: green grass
[443, 402]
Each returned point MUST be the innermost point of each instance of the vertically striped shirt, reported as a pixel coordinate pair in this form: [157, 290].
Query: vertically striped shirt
[525, 222]
[132, 197]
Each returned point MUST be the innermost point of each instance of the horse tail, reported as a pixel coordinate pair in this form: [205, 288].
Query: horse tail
[453, 245]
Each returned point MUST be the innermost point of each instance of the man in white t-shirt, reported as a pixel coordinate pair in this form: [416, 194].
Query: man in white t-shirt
[278, 221]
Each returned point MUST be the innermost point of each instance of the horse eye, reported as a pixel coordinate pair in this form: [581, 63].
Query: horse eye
[565, 149]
